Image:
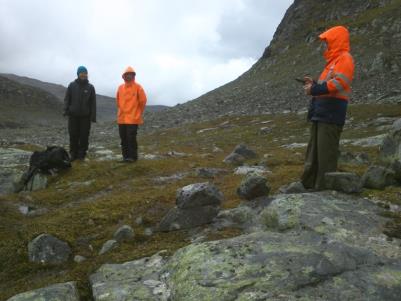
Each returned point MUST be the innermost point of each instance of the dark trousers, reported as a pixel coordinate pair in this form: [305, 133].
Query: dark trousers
[321, 154]
[79, 129]
[129, 144]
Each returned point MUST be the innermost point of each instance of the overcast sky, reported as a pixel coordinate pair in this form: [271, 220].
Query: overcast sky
[179, 48]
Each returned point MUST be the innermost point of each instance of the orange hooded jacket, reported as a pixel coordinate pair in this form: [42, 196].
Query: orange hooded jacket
[131, 101]
[339, 70]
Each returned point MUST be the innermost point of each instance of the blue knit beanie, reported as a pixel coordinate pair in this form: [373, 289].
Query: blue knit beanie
[82, 69]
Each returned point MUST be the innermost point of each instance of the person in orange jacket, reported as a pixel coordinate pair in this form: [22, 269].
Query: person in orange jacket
[328, 109]
[131, 102]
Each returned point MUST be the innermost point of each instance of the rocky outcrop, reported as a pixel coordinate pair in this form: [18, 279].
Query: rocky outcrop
[312, 246]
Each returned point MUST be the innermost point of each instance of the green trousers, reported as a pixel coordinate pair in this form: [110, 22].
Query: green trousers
[321, 154]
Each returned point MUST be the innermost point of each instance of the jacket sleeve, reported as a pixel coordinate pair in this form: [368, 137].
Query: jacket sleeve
[93, 105]
[342, 76]
[142, 99]
[118, 98]
[67, 100]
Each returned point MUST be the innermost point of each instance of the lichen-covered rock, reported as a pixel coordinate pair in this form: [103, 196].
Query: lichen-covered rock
[48, 249]
[378, 177]
[135, 280]
[178, 219]
[332, 249]
[56, 292]
[262, 266]
[347, 182]
[253, 186]
[198, 195]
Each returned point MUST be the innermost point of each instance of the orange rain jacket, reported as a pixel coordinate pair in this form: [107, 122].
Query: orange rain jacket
[339, 70]
[131, 101]
[332, 91]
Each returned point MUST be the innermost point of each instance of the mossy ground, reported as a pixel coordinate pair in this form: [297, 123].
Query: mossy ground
[89, 202]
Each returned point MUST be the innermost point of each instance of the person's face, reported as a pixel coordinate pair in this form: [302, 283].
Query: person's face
[129, 76]
[83, 76]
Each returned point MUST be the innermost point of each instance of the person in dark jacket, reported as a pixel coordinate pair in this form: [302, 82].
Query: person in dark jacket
[80, 107]
[328, 108]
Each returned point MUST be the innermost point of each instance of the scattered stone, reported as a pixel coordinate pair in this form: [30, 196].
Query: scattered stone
[295, 145]
[234, 159]
[108, 246]
[245, 170]
[244, 151]
[253, 186]
[79, 258]
[56, 292]
[148, 232]
[170, 179]
[365, 142]
[343, 181]
[295, 187]
[217, 149]
[48, 249]
[198, 195]
[265, 130]
[378, 177]
[210, 172]
[350, 158]
[124, 233]
[177, 154]
[206, 130]
[179, 219]
[139, 220]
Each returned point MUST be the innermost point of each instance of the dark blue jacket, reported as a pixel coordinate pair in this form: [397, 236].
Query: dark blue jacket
[326, 109]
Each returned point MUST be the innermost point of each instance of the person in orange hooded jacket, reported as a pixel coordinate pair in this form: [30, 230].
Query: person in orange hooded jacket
[131, 102]
[328, 107]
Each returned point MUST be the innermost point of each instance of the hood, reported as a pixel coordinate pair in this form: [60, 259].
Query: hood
[129, 69]
[337, 39]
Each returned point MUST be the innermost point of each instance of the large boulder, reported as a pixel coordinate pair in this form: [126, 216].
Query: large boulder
[56, 292]
[198, 195]
[390, 149]
[331, 249]
[343, 181]
[234, 159]
[49, 250]
[378, 177]
[253, 186]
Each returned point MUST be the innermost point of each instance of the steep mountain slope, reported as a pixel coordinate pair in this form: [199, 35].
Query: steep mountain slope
[23, 105]
[269, 86]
